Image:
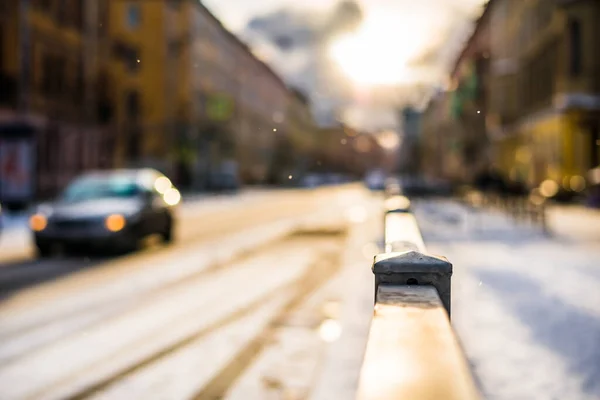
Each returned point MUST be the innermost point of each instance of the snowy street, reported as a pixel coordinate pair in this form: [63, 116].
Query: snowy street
[269, 295]
[188, 320]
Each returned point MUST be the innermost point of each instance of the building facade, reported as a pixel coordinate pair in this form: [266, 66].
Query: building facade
[470, 82]
[441, 140]
[153, 83]
[231, 105]
[301, 134]
[455, 144]
[47, 106]
[524, 96]
[409, 152]
[545, 95]
[140, 51]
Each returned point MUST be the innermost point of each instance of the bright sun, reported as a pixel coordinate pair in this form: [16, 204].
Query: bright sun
[378, 53]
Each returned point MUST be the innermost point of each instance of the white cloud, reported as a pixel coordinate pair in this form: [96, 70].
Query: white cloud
[438, 26]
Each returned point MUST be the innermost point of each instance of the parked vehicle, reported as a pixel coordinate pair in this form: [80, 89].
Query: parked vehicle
[393, 186]
[421, 187]
[312, 181]
[225, 177]
[375, 180]
[114, 209]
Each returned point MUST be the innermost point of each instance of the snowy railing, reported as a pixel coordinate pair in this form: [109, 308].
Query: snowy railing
[412, 352]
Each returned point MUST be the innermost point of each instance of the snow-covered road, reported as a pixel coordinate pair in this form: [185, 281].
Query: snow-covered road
[295, 316]
[178, 322]
[526, 306]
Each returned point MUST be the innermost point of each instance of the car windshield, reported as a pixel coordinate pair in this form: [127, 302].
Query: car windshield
[100, 188]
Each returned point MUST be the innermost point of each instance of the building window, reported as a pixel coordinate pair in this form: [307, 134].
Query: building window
[132, 60]
[201, 104]
[2, 47]
[132, 105]
[132, 108]
[104, 96]
[595, 145]
[575, 47]
[53, 80]
[61, 65]
[76, 10]
[174, 4]
[78, 94]
[545, 13]
[133, 15]
[128, 55]
[103, 18]
[8, 92]
[47, 68]
[44, 5]
[49, 150]
[62, 12]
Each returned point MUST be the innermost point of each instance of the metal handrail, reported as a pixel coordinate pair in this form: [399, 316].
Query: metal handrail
[412, 351]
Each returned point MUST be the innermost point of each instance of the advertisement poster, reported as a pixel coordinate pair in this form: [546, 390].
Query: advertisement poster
[16, 170]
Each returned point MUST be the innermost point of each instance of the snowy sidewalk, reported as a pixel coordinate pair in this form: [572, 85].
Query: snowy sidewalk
[575, 222]
[526, 307]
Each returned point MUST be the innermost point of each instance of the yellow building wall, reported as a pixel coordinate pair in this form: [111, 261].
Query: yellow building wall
[505, 154]
[544, 143]
[580, 144]
[57, 39]
[149, 80]
[158, 104]
[182, 31]
[575, 145]
[550, 148]
[10, 47]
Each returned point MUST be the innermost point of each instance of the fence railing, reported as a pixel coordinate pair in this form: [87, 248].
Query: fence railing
[412, 351]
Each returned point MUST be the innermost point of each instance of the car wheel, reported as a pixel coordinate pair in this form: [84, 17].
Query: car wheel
[135, 241]
[167, 234]
[43, 250]
[128, 244]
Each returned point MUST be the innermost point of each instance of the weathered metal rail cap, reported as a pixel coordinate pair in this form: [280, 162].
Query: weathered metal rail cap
[414, 268]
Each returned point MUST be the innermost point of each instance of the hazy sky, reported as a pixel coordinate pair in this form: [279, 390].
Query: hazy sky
[359, 59]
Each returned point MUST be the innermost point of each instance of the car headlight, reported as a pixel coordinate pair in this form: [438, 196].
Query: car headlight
[38, 222]
[172, 197]
[115, 222]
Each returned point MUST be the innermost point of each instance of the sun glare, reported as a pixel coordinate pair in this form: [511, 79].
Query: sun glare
[379, 51]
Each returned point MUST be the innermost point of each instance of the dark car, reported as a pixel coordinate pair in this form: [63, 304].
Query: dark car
[224, 182]
[109, 209]
[393, 187]
[375, 181]
[312, 181]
